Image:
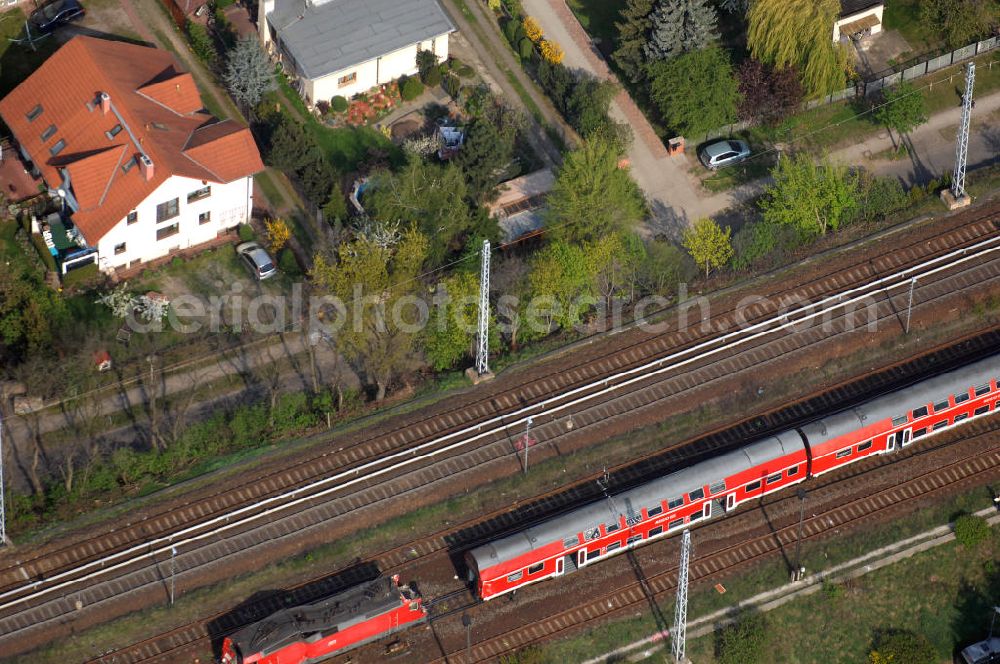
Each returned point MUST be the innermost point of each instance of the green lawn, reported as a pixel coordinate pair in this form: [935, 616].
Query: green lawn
[598, 16]
[270, 189]
[904, 16]
[733, 176]
[17, 61]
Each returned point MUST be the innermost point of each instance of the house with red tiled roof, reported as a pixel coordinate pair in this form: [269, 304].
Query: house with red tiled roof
[120, 135]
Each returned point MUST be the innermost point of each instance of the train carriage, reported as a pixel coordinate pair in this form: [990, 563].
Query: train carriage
[628, 519]
[895, 420]
[314, 632]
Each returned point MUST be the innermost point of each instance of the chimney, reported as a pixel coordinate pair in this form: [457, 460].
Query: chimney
[146, 167]
[105, 102]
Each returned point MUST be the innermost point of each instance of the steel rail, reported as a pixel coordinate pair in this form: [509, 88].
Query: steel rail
[698, 352]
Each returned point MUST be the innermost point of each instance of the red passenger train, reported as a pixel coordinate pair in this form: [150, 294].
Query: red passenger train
[587, 535]
[313, 632]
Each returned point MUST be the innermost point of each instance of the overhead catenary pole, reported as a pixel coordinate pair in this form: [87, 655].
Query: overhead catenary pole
[483, 341]
[527, 442]
[962, 143]
[173, 569]
[909, 305]
[3, 495]
[678, 637]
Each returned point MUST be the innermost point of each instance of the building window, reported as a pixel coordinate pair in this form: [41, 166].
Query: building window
[58, 147]
[204, 217]
[49, 132]
[167, 231]
[350, 79]
[167, 210]
[119, 249]
[132, 217]
[199, 194]
[35, 112]
[114, 131]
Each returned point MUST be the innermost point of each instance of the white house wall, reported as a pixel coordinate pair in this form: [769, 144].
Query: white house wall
[229, 205]
[876, 10]
[384, 69]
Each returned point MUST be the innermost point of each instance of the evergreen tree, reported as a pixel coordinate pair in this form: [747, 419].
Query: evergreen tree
[680, 26]
[633, 31]
[249, 73]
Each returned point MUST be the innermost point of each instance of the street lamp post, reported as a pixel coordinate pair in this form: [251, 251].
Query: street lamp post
[799, 570]
[527, 443]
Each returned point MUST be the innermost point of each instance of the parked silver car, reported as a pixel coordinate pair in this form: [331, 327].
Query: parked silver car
[259, 261]
[723, 153]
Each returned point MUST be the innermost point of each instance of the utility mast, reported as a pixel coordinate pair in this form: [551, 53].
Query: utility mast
[483, 339]
[678, 637]
[955, 197]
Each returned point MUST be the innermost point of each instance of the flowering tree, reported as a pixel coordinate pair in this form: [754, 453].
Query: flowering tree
[278, 234]
[532, 30]
[119, 300]
[551, 51]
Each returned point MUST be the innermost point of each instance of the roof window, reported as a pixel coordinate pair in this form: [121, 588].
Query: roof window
[35, 112]
[127, 166]
[58, 147]
[49, 132]
[114, 131]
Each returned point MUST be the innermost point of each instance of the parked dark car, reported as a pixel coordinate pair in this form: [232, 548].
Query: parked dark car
[51, 15]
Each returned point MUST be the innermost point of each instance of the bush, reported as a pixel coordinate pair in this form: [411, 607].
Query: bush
[970, 530]
[249, 426]
[246, 233]
[513, 31]
[465, 71]
[427, 62]
[323, 106]
[292, 413]
[336, 205]
[338, 104]
[432, 77]
[411, 89]
[452, 85]
[287, 263]
[878, 197]
[903, 647]
[526, 48]
[201, 42]
[745, 642]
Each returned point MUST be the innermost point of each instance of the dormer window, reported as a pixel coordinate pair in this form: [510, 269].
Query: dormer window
[49, 132]
[35, 112]
[114, 131]
[58, 147]
[127, 166]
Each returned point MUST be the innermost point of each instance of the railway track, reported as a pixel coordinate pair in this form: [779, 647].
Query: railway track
[90, 573]
[972, 469]
[183, 643]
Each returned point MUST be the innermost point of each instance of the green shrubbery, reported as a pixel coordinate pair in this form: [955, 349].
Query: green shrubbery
[128, 470]
[338, 104]
[971, 530]
[246, 233]
[411, 89]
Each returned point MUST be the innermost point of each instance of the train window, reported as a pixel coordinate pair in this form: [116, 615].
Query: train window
[982, 410]
[536, 568]
[897, 421]
[516, 576]
[774, 478]
[695, 516]
[592, 534]
[919, 432]
[718, 487]
[794, 470]
[867, 445]
[920, 412]
[614, 546]
[940, 405]
[753, 486]
[961, 398]
[674, 503]
[633, 540]
[844, 453]
[653, 511]
[571, 541]
[611, 527]
[675, 524]
[697, 494]
[593, 554]
[940, 425]
[653, 532]
[982, 389]
[961, 416]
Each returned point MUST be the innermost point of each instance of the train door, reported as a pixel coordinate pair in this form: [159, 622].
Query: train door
[581, 557]
[560, 566]
[890, 443]
[731, 502]
[905, 440]
[706, 509]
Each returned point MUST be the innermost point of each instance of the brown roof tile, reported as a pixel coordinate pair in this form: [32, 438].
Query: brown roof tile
[160, 116]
